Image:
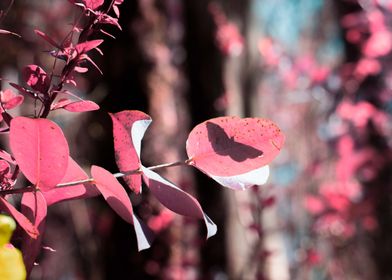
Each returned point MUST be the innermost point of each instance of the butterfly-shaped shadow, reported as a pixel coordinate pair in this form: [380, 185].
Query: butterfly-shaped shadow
[225, 146]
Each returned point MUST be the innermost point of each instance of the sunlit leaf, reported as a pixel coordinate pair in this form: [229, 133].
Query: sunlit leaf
[87, 46]
[116, 196]
[40, 149]
[74, 173]
[231, 146]
[128, 130]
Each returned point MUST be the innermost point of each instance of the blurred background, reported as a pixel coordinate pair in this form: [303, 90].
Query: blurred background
[321, 70]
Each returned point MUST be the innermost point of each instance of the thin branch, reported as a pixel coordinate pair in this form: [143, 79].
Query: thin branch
[126, 173]
[74, 183]
[15, 191]
[91, 180]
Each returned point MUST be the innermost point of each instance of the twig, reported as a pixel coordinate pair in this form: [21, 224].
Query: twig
[91, 180]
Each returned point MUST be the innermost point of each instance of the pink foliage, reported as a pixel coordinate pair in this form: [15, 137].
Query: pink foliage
[35, 209]
[228, 36]
[161, 221]
[35, 77]
[126, 154]
[41, 150]
[89, 4]
[10, 100]
[75, 106]
[22, 221]
[233, 151]
[228, 146]
[113, 192]
[79, 191]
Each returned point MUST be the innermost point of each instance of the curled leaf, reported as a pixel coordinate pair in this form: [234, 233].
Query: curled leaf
[128, 130]
[242, 181]
[6, 32]
[176, 199]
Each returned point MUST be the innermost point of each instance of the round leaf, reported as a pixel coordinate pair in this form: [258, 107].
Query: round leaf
[228, 146]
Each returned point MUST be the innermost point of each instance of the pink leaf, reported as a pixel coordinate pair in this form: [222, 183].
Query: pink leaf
[93, 4]
[75, 106]
[24, 223]
[90, 4]
[80, 69]
[110, 20]
[118, 199]
[61, 103]
[36, 78]
[47, 38]
[10, 100]
[115, 8]
[87, 46]
[40, 149]
[176, 199]
[86, 57]
[128, 130]
[74, 173]
[229, 146]
[35, 209]
[6, 156]
[81, 106]
[113, 192]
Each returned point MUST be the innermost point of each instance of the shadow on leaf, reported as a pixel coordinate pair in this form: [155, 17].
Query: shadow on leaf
[224, 145]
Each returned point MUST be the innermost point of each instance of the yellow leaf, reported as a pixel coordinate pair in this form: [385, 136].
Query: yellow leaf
[11, 264]
[7, 226]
